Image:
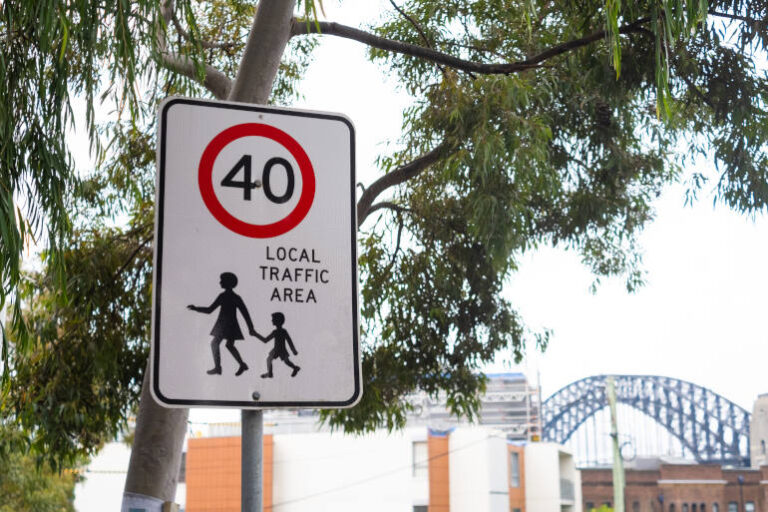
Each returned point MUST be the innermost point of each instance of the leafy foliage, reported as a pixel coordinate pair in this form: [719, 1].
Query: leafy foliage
[75, 367]
[73, 390]
[51, 50]
[24, 486]
[55, 50]
[570, 151]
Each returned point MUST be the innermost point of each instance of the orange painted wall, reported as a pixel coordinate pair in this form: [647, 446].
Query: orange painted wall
[516, 494]
[439, 473]
[268, 459]
[213, 474]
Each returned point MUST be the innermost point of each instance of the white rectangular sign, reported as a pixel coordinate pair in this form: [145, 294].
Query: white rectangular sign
[255, 283]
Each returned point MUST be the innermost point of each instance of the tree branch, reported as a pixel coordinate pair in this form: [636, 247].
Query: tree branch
[475, 48]
[412, 22]
[396, 177]
[399, 209]
[214, 80]
[734, 17]
[417, 27]
[695, 90]
[202, 42]
[388, 205]
[133, 254]
[336, 29]
[400, 226]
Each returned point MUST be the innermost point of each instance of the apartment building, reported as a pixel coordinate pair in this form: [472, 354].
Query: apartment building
[464, 469]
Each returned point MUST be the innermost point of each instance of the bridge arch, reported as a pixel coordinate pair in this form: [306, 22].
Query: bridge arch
[712, 428]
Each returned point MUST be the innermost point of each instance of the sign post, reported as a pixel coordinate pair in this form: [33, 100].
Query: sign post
[251, 481]
[255, 283]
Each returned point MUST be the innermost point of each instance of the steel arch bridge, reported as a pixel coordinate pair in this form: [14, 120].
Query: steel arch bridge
[712, 428]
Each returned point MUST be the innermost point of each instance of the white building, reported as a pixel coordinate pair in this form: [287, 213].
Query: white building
[465, 469]
[436, 464]
[552, 482]
[103, 480]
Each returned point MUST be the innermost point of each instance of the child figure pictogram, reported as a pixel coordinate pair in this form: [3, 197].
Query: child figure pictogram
[226, 326]
[281, 337]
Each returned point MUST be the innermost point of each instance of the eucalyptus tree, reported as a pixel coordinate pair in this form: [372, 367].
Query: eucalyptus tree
[27, 487]
[532, 122]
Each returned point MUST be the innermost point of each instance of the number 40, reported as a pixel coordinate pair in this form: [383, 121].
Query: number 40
[247, 185]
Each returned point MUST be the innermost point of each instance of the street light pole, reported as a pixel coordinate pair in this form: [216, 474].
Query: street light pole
[618, 463]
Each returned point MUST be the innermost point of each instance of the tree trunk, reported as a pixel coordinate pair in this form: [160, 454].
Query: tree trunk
[159, 438]
[156, 456]
[270, 32]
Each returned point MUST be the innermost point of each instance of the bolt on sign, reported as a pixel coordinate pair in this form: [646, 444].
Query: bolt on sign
[255, 282]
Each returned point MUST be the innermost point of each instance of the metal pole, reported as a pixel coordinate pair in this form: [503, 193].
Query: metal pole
[618, 463]
[251, 477]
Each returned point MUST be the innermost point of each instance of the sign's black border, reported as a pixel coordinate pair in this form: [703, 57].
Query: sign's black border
[158, 270]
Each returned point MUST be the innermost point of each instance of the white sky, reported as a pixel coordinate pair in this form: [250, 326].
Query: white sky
[701, 316]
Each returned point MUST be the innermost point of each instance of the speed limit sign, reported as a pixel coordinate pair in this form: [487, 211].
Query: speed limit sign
[255, 282]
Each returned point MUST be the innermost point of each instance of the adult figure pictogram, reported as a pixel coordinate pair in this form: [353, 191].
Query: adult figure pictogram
[226, 326]
[281, 337]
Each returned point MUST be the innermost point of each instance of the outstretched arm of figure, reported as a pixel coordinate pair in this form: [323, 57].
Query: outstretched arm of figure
[244, 311]
[290, 344]
[207, 310]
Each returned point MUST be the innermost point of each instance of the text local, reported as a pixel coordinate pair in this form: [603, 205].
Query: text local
[293, 254]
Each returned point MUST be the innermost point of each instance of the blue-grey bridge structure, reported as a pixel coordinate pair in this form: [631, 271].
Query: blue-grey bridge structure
[711, 428]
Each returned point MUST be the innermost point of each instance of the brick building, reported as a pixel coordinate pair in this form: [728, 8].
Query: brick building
[659, 485]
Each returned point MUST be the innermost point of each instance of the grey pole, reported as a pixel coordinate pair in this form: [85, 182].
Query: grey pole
[269, 34]
[252, 454]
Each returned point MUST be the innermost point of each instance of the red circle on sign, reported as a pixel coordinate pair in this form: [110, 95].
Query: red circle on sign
[205, 181]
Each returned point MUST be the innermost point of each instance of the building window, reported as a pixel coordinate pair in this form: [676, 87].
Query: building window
[420, 508]
[514, 469]
[589, 506]
[635, 506]
[420, 459]
[715, 507]
[693, 508]
[685, 507]
[749, 506]
[762, 446]
[516, 510]
[671, 507]
[703, 507]
[733, 506]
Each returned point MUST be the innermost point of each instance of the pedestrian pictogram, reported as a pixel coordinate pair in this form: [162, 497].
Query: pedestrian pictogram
[255, 292]
[226, 327]
[281, 337]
